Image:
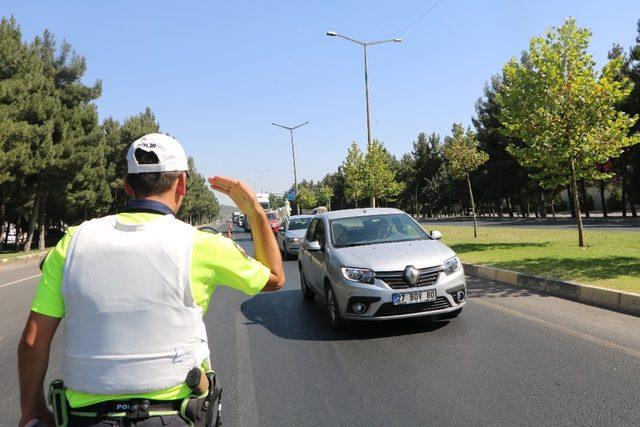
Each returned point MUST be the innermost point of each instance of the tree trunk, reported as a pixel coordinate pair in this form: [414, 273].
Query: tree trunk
[585, 198]
[632, 205]
[18, 228]
[542, 205]
[6, 234]
[473, 208]
[510, 207]
[372, 201]
[32, 222]
[42, 219]
[572, 206]
[623, 198]
[2, 221]
[576, 203]
[603, 201]
[553, 207]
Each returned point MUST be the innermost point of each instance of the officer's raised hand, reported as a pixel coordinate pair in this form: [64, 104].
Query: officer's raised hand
[241, 194]
[264, 242]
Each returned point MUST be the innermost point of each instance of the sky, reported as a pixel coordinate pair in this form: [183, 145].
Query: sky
[217, 74]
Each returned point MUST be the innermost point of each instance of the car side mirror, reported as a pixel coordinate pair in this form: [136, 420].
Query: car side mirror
[314, 246]
[436, 234]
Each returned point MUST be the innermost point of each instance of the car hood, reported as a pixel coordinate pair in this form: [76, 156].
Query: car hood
[296, 233]
[395, 256]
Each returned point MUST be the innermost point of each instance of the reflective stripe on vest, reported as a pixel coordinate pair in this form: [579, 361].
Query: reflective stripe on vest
[131, 323]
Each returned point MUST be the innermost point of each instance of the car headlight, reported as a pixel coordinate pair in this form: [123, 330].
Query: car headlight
[451, 265]
[361, 275]
[293, 240]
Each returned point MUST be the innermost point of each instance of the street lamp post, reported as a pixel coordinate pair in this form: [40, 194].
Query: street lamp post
[261, 174]
[293, 154]
[366, 73]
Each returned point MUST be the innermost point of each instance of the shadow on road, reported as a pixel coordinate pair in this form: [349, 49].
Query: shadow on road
[480, 288]
[286, 315]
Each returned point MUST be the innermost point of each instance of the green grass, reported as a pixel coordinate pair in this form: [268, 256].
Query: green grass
[13, 254]
[611, 260]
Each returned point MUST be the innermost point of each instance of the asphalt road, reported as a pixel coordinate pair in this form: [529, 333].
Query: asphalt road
[513, 357]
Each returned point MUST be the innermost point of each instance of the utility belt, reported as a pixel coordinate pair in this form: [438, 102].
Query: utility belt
[201, 408]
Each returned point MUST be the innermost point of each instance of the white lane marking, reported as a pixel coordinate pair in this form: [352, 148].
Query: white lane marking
[590, 338]
[247, 391]
[20, 280]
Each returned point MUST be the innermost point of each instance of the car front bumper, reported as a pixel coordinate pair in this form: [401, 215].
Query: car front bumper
[378, 298]
[292, 247]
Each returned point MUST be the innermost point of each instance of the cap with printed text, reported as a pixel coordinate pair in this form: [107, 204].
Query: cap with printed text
[171, 155]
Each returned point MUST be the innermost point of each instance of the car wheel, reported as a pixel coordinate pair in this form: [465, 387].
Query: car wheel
[307, 293]
[333, 313]
[452, 315]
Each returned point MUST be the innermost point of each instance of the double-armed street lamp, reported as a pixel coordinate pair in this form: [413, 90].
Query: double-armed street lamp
[293, 154]
[366, 79]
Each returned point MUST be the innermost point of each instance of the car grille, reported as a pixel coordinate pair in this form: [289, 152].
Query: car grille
[395, 279]
[388, 309]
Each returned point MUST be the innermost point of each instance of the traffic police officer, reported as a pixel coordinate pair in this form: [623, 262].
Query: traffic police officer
[133, 289]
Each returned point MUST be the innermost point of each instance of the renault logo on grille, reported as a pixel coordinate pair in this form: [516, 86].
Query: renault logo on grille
[411, 274]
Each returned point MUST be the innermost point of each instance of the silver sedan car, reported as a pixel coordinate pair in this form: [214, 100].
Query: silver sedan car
[292, 230]
[378, 264]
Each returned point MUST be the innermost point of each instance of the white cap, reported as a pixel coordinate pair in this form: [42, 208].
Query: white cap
[171, 156]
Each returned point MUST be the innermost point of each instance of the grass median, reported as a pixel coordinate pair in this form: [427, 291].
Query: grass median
[11, 255]
[611, 260]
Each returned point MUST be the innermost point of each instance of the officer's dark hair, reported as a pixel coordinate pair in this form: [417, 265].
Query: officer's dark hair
[151, 183]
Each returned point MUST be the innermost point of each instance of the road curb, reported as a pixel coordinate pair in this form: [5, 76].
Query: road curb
[23, 258]
[625, 302]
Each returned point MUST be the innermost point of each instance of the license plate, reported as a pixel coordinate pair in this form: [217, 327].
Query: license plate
[414, 297]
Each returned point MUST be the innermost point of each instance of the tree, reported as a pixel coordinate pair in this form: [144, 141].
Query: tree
[427, 158]
[501, 177]
[336, 182]
[564, 112]
[463, 157]
[354, 174]
[276, 201]
[72, 130]
[199, 205]
[406, 173]
[324, 193]
[628, 166]
[26, 104]
[379, 178]
[306, 197]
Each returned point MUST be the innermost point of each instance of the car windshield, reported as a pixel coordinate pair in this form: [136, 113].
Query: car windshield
[271, 216]
[299, 223]
[371, 229]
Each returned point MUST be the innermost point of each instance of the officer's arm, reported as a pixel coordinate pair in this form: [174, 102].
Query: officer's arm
[264, 243]
[266, 250]
[33, 361]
